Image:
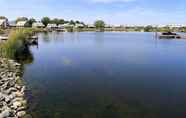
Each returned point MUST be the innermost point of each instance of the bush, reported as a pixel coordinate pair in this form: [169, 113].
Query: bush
[16, 43]
[1, 31]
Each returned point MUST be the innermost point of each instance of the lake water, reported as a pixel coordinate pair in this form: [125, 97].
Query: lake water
[107, 75]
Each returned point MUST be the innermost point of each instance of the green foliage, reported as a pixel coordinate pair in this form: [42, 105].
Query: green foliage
[164, 29]
[72, 22]
[1, 31]
[31, 21]
[148, 28]
[184, 29]
[21, 19]
[3, 17]
[15, 44]
[57, 21]
[45, 21]
[99, 24]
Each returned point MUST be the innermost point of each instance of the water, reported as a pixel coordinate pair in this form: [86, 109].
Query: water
[107, 75]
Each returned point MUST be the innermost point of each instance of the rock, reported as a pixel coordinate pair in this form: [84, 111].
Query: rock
[17, 104]
[5, 114]
[12, 101]
[19, 94]
[2, 97]
[21, 113]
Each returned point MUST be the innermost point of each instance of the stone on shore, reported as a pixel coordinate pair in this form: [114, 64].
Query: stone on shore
[12, 99]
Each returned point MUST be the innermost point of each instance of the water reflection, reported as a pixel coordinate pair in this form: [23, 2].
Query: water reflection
[99, 39]
[128, 77]
[25, 57]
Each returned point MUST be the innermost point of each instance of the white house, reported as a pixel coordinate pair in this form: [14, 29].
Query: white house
[91, 26]
[22, 24]
[3, 23]
[61, 26]
[38, 25]
[68, 25]
[52, 26]
[79, 25]
[175, 25]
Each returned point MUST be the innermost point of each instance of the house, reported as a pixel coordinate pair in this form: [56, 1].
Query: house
[52, 26]
[22, 24]
[38, 25]
[67, 25]
[176, 25]
[3, 23]
[79, 25]
[61, 26]
[91, 26]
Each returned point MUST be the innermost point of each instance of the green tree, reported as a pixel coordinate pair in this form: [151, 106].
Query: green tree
[99, 24]
[55, 21]
[45, 21]
[3, 17]
[21, 19]
[31, 21]
[78, 22]
[184, 29]
[61, 21]
[72, 22]
[148, 28]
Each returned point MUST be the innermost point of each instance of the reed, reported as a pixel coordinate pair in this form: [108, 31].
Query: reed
[16, 43]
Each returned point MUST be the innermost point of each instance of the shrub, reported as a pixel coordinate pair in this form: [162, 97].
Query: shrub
[16, 43]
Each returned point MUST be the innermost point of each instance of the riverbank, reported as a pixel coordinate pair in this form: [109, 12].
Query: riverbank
[12, 89]
[12, 93]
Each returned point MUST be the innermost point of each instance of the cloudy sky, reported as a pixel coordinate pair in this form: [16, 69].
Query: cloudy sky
[112, 11]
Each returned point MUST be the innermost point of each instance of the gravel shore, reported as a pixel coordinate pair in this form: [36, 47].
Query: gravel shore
[12, 91]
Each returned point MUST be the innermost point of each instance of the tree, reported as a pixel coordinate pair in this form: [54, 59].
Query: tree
[57, 21]
[61, 21]
[77, 22]
[21, 19]
[72, 22]
[45, 21]
[3, 17]
[99, 24]
[148, 28]
[31, 21]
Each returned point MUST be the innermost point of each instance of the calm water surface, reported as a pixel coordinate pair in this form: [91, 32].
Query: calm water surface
[107, 75]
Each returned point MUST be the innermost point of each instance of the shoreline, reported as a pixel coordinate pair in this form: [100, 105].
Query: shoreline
[12, 92]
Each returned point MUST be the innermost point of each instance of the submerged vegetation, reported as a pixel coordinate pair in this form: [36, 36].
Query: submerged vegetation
[16, 43]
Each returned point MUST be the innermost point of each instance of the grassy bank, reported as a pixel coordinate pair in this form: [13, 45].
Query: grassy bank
[16, 43]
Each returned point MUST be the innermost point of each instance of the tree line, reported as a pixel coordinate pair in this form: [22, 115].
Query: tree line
[57, 21]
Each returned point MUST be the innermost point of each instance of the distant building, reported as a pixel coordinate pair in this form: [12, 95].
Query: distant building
[52, 26]
[79, 25]
[90, 26]
[38, 25]
[176, 25]
[22, 24]
[68, 25]
[3, 23]
[61, 26]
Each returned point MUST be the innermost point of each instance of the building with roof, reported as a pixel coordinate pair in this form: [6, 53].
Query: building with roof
[22, 24]
[3, 23]
[78, 25]
[52, 26]
[90, 26]
[38, 25]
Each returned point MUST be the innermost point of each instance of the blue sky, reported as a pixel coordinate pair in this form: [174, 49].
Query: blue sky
[112, 11]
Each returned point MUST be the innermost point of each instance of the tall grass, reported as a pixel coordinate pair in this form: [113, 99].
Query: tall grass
[1, 31]
[16, 43]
